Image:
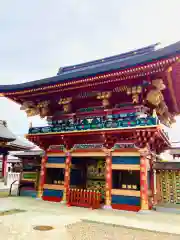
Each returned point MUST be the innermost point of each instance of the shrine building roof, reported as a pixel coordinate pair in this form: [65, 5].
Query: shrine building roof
[19, 144]
[118, 62]
[167, 165]
[5, 134]
[175, 151]
[29, 154]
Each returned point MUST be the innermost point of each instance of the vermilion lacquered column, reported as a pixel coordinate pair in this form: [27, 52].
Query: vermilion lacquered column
[108, 186]
[42, 175]
[67, 176]
[143, 183]
[152, 183]
[155, 188]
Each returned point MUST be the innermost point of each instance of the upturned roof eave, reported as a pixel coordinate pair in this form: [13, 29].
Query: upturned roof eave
[18, 145]
[29, 154]
[6, 139]
[166, 52]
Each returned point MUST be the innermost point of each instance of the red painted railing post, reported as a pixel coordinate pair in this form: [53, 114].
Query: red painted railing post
[99, 200]
[90, 197]
[93, 199]
[69, 194]
[81, 200]
[78, 196]
[73, 195]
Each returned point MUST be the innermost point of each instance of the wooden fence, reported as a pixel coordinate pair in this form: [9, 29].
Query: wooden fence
[83, 198]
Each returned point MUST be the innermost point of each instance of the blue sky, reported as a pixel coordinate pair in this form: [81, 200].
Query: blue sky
[39, 36]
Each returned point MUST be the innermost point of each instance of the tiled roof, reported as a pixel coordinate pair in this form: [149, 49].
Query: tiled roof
[29, 153]
[118, 62]
[20, 144]
[5, 133]
[174, 151]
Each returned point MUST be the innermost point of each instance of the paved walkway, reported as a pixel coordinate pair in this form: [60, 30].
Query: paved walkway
[58, 216]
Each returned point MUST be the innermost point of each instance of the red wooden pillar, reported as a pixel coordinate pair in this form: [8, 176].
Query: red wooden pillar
[108, 186]
[153, 181]
[155, 188]
[4, 165]
[42, 175]
[67, 176]
[143, 183]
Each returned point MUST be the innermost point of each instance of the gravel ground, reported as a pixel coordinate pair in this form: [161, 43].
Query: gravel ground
[98, 231]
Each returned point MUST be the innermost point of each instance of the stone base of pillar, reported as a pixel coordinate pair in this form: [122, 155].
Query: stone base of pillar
[107, 207]
[145, 211]
[63, 202]
[38, 198]
[39, 194]
[155, 201]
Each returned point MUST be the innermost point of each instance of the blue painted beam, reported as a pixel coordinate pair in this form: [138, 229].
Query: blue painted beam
[56, 160]
[126, 160]
[52, 193]
[126, 200]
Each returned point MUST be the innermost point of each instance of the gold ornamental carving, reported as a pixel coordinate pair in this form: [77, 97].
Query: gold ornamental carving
[30, 108]
[43, 108]
[155, 98]
[135, 92]
[66, 103]
[104, 97]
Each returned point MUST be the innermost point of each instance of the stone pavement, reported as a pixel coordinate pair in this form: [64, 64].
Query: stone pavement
[20, 225]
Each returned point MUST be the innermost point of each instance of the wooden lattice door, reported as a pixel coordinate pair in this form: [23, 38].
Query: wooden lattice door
[170, 186]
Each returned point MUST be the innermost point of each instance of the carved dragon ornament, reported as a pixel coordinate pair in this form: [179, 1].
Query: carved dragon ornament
[66, 104]
[156, 99]
[104, 97]
[32, 109]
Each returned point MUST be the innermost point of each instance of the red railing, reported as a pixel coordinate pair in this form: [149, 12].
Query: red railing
[83, 198]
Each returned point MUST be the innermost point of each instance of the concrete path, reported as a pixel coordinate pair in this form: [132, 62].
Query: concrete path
[38, 212]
